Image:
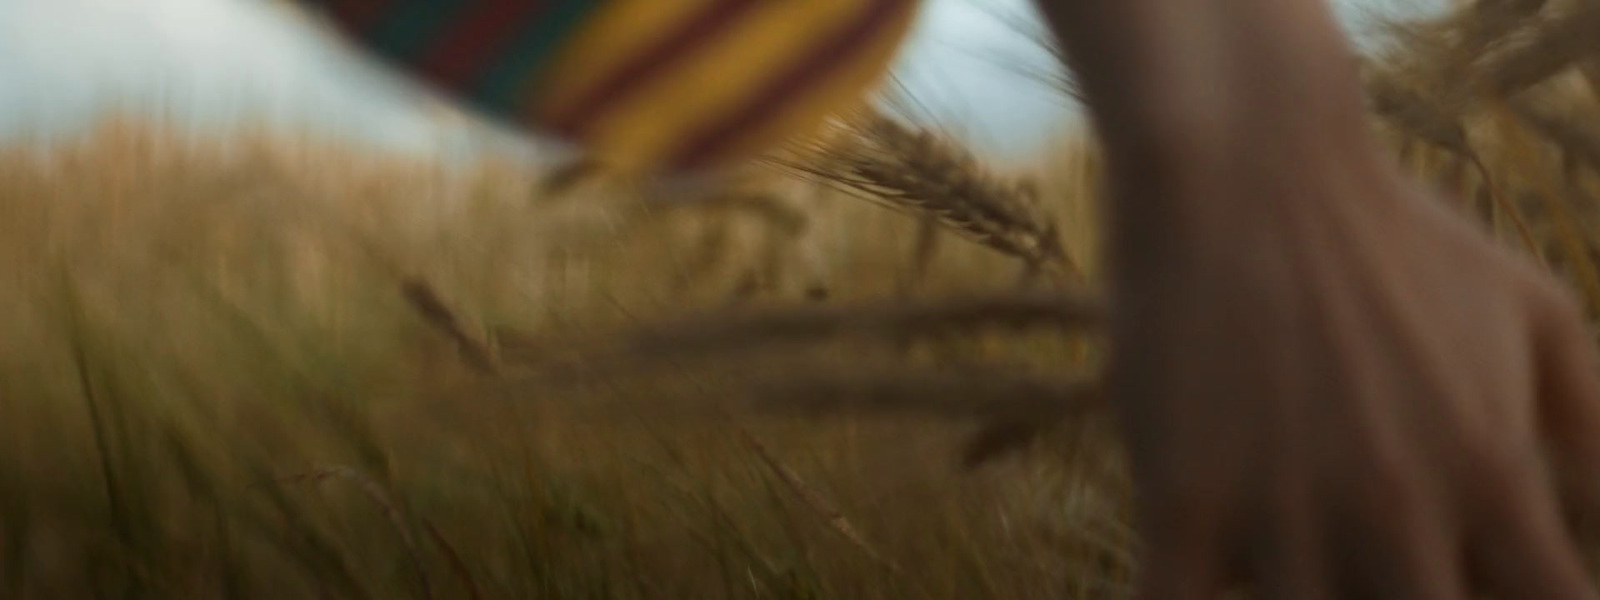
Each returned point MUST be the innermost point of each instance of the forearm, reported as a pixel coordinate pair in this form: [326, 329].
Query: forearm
[1156, 71]
[1193, 99]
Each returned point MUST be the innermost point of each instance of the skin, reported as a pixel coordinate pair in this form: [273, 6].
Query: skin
[1330, 386]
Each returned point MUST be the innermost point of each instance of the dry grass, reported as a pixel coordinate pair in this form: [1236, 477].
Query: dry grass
[230, 372]
[879, 159]
[264, 367]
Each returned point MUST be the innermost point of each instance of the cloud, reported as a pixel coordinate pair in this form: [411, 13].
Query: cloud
[966, 65]
[220, 62]
[209, 62]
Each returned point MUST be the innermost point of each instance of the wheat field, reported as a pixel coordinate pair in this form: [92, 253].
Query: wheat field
[267, 366]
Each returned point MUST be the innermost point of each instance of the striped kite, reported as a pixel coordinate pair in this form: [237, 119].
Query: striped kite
[640, 85]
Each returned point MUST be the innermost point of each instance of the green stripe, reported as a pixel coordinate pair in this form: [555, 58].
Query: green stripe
[411, 27]
[502, 87]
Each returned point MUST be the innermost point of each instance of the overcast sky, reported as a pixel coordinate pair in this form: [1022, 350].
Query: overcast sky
[216, 62]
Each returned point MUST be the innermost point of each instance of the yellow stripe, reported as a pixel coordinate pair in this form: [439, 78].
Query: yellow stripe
[618, 32]
[845, 87]
[716, 79]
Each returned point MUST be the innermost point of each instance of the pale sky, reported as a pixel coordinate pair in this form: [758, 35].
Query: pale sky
[218, 62]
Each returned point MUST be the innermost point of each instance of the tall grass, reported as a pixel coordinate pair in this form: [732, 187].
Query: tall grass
[264, 367]
[231, 372]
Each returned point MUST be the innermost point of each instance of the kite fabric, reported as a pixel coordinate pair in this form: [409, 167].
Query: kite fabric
[673, 85]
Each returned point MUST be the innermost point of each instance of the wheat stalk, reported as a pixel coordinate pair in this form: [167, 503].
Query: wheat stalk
[1540, 51]
[376, 493]
[422, 298]
[813, 499]
[913, 171]
[1425, 118]
[1580, 140]
[1554, 194]
[1012, 408]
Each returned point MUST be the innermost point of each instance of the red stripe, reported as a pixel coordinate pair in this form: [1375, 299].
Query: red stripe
[471, 41]
[359, 15]
[791, 83]
[652, 61]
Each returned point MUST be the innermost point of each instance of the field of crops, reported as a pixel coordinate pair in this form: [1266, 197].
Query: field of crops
[273, 367]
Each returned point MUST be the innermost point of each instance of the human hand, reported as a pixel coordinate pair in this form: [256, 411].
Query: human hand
[1335, 388]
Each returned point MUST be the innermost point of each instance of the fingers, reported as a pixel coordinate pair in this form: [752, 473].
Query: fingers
[1523, 548]
[1292, 562]
[1429, 561]
[1394, 532]
[1183, 559]
[1408, 554]
[1569, 394]
[1180, 571]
